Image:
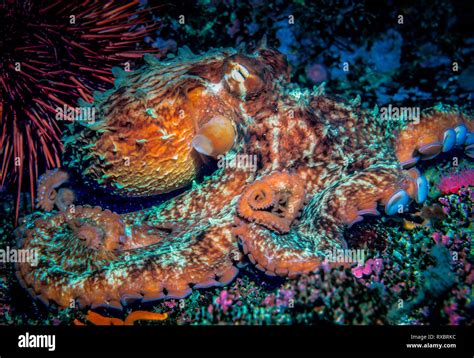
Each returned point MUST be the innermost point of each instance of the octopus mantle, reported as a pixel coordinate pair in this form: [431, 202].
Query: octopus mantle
[322, 165]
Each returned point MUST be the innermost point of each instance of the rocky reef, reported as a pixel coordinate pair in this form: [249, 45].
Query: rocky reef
[262, 182]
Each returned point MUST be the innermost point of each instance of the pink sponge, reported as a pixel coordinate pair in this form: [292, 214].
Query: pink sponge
[452, 183]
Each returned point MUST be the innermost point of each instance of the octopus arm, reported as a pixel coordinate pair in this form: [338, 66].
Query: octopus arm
[302, 245]
[100, 258]
[70, 269]
[434, 133]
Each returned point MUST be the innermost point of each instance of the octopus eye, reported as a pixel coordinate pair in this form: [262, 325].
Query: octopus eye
[214, 138]
[239, 73]
[243, 79]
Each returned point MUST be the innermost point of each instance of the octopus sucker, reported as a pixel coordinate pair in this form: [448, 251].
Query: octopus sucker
[437, 132]
[312, 167]
[49, 196]
[266, 193]
[264, 253]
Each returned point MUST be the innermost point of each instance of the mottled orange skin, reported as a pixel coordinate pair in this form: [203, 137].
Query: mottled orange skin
[275, 188]
[140, 144]
[429, 130]
[322, 165]
[164, 159]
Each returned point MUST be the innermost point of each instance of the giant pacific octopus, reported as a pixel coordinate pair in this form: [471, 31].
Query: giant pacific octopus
[322, 165]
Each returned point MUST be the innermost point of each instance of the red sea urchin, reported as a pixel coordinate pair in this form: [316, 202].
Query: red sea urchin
[54, 53]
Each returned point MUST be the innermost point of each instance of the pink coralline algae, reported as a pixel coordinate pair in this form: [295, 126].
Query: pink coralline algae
[224, 300]
[371, 266]
[440, 238]
[454, 318]
[170, 304]
[452, 183]
[284, 298]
